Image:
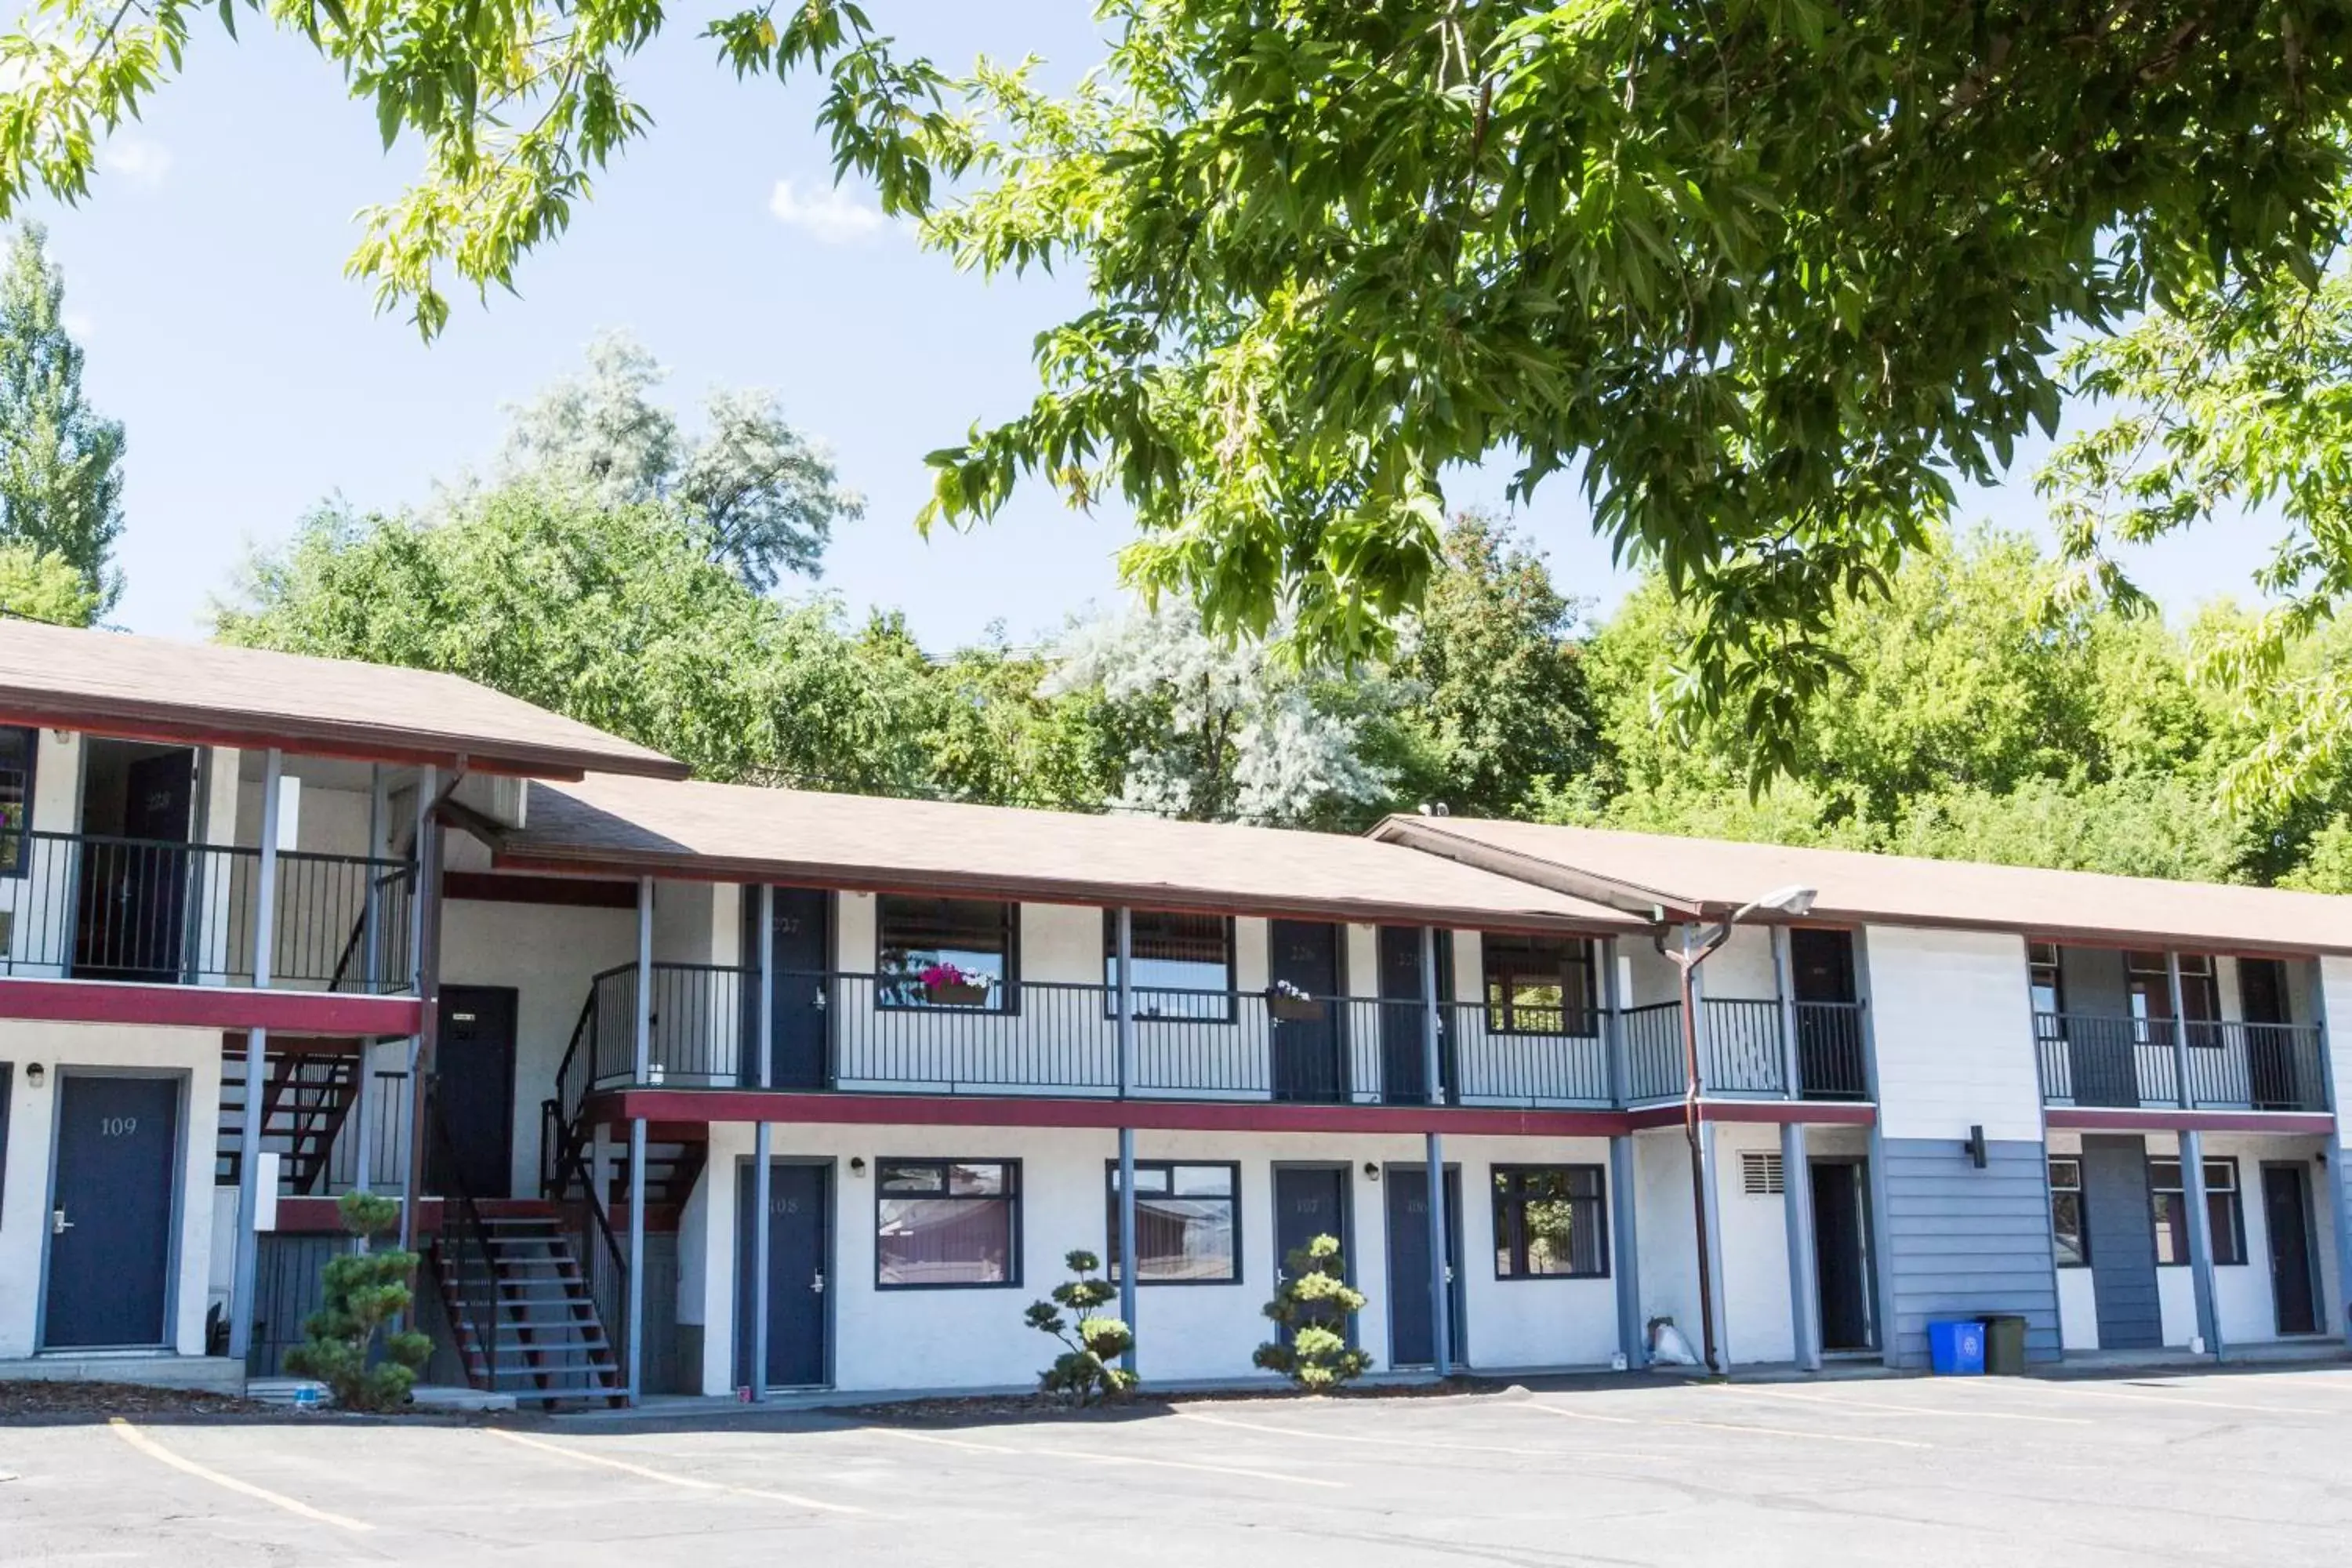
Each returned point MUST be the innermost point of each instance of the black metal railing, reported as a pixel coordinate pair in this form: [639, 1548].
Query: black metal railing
[92, 906]
[872, 1034]
[1742, 1048]
[468, 1267]
[2088, 1060]
[1655, 1068]
[389, 1117]
[1831, 1061]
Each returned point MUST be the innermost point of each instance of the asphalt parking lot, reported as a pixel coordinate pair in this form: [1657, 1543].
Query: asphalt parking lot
[2219, 1468]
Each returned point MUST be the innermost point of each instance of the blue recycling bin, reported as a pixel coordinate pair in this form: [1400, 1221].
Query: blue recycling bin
[1957, 1349]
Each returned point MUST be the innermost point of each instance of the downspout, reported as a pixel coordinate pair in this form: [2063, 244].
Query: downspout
[1126, 1033]
[1440, 1325]
[762, 1146]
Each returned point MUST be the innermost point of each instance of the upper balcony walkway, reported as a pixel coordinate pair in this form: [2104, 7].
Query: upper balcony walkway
[152, 913]
[2127, 1063]
[866, 1034]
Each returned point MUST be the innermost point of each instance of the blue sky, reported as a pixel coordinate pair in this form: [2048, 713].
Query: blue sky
[205, 277]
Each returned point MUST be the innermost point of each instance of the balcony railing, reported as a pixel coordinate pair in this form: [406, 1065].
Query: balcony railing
[2091, 1060]
[875, 1034]
[1741, 1049]
[93, 906]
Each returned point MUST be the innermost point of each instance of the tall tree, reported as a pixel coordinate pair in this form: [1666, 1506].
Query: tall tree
[60, 460]
[1767, 274]
[761, 497]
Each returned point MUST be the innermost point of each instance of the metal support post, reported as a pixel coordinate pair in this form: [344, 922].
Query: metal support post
[2192, 1169]
[427, 967]
[763, 1141]
[644, 1047]
[1127, 1260]
[257, 1051]
[1441, 1302]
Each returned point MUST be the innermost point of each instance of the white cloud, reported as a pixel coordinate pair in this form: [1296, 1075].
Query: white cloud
[828, 215]
[136, 159]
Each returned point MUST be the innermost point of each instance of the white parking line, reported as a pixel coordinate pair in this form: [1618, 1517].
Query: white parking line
[1837, 1402]
[2074, 1389]
[1722, 1426]
[1093, 1457]
[692, 1483]
[154, 1450]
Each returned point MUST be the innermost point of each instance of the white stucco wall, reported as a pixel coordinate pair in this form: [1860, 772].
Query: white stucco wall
[1662, 1200]
[24, 1228]
[975, 1337]
[1753, 1242]
[1951, 1022]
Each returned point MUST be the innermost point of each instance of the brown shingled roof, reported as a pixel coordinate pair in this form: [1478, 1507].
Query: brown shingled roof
[1703, 878]
[736, 832]
[207, 694]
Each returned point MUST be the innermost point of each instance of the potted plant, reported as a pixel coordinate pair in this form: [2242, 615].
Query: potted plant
[948, 986]
[1293, 1006]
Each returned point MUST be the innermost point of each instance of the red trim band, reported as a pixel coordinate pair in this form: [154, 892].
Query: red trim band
[1148, 1115]
[208, 1007]
[2170, 1119]
[1773, 1112]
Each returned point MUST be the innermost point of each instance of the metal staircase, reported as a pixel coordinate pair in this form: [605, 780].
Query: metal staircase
[305, 1099]
[530, 1316]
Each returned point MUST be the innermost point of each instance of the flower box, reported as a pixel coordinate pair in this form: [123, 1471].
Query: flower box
[1296, 1009]
[958, 993]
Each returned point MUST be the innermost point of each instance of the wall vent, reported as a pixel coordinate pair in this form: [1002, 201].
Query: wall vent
[1760, 1174]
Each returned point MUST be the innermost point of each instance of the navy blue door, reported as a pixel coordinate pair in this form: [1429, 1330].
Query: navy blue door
[1408, 1201]
[799, 1198]
[1404, 1079]
[1310, 1201]
[1309, 1050]
[111, 1219]
[797, 1053]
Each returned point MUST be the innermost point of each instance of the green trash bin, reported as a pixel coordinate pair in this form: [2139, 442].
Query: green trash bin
[2004, 1345]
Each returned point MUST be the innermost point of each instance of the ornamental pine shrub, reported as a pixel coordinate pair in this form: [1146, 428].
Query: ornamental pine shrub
[1088, 1369]
[1314, 1304]
[364, 1291]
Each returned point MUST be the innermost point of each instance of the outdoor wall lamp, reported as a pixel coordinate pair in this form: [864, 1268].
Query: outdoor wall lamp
[1371, 1172]
[35, 1073]
[858, 1164]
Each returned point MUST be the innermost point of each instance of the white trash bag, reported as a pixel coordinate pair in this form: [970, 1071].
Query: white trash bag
[1667, 1346]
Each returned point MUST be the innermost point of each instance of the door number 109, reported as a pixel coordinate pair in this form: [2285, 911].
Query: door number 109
[117, 1126]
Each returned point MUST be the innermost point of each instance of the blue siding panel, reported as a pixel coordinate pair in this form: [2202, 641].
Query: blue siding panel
[2120, 1229]
[1961, 1241]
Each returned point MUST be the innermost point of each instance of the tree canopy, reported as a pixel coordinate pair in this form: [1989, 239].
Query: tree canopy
[60, 460]
[1762, 276]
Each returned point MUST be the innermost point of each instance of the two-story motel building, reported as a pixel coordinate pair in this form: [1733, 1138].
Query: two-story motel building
[272, 928]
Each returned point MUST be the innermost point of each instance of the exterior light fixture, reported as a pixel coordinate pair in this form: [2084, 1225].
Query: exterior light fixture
[1371, 1172]
[858, 1164]
[35, 1073]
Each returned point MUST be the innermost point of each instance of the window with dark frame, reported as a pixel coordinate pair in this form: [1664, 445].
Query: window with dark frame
[946, 1223]
[2043, 971]
[2224, 1214]
[2066, 1212]
[1539, 985]
[1550, 1222]
[18, 747]
[1184, 964]
[945, 953]
[1187, 1223]
[2149, 988]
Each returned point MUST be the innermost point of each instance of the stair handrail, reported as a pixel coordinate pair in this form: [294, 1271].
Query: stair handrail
[402, 871]
[561, 1116]
[608, 1286]
[475, 1291]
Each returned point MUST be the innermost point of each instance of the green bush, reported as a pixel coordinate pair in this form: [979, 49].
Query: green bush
[364, 1291]
[1314, 1304]
[1088, 1369]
